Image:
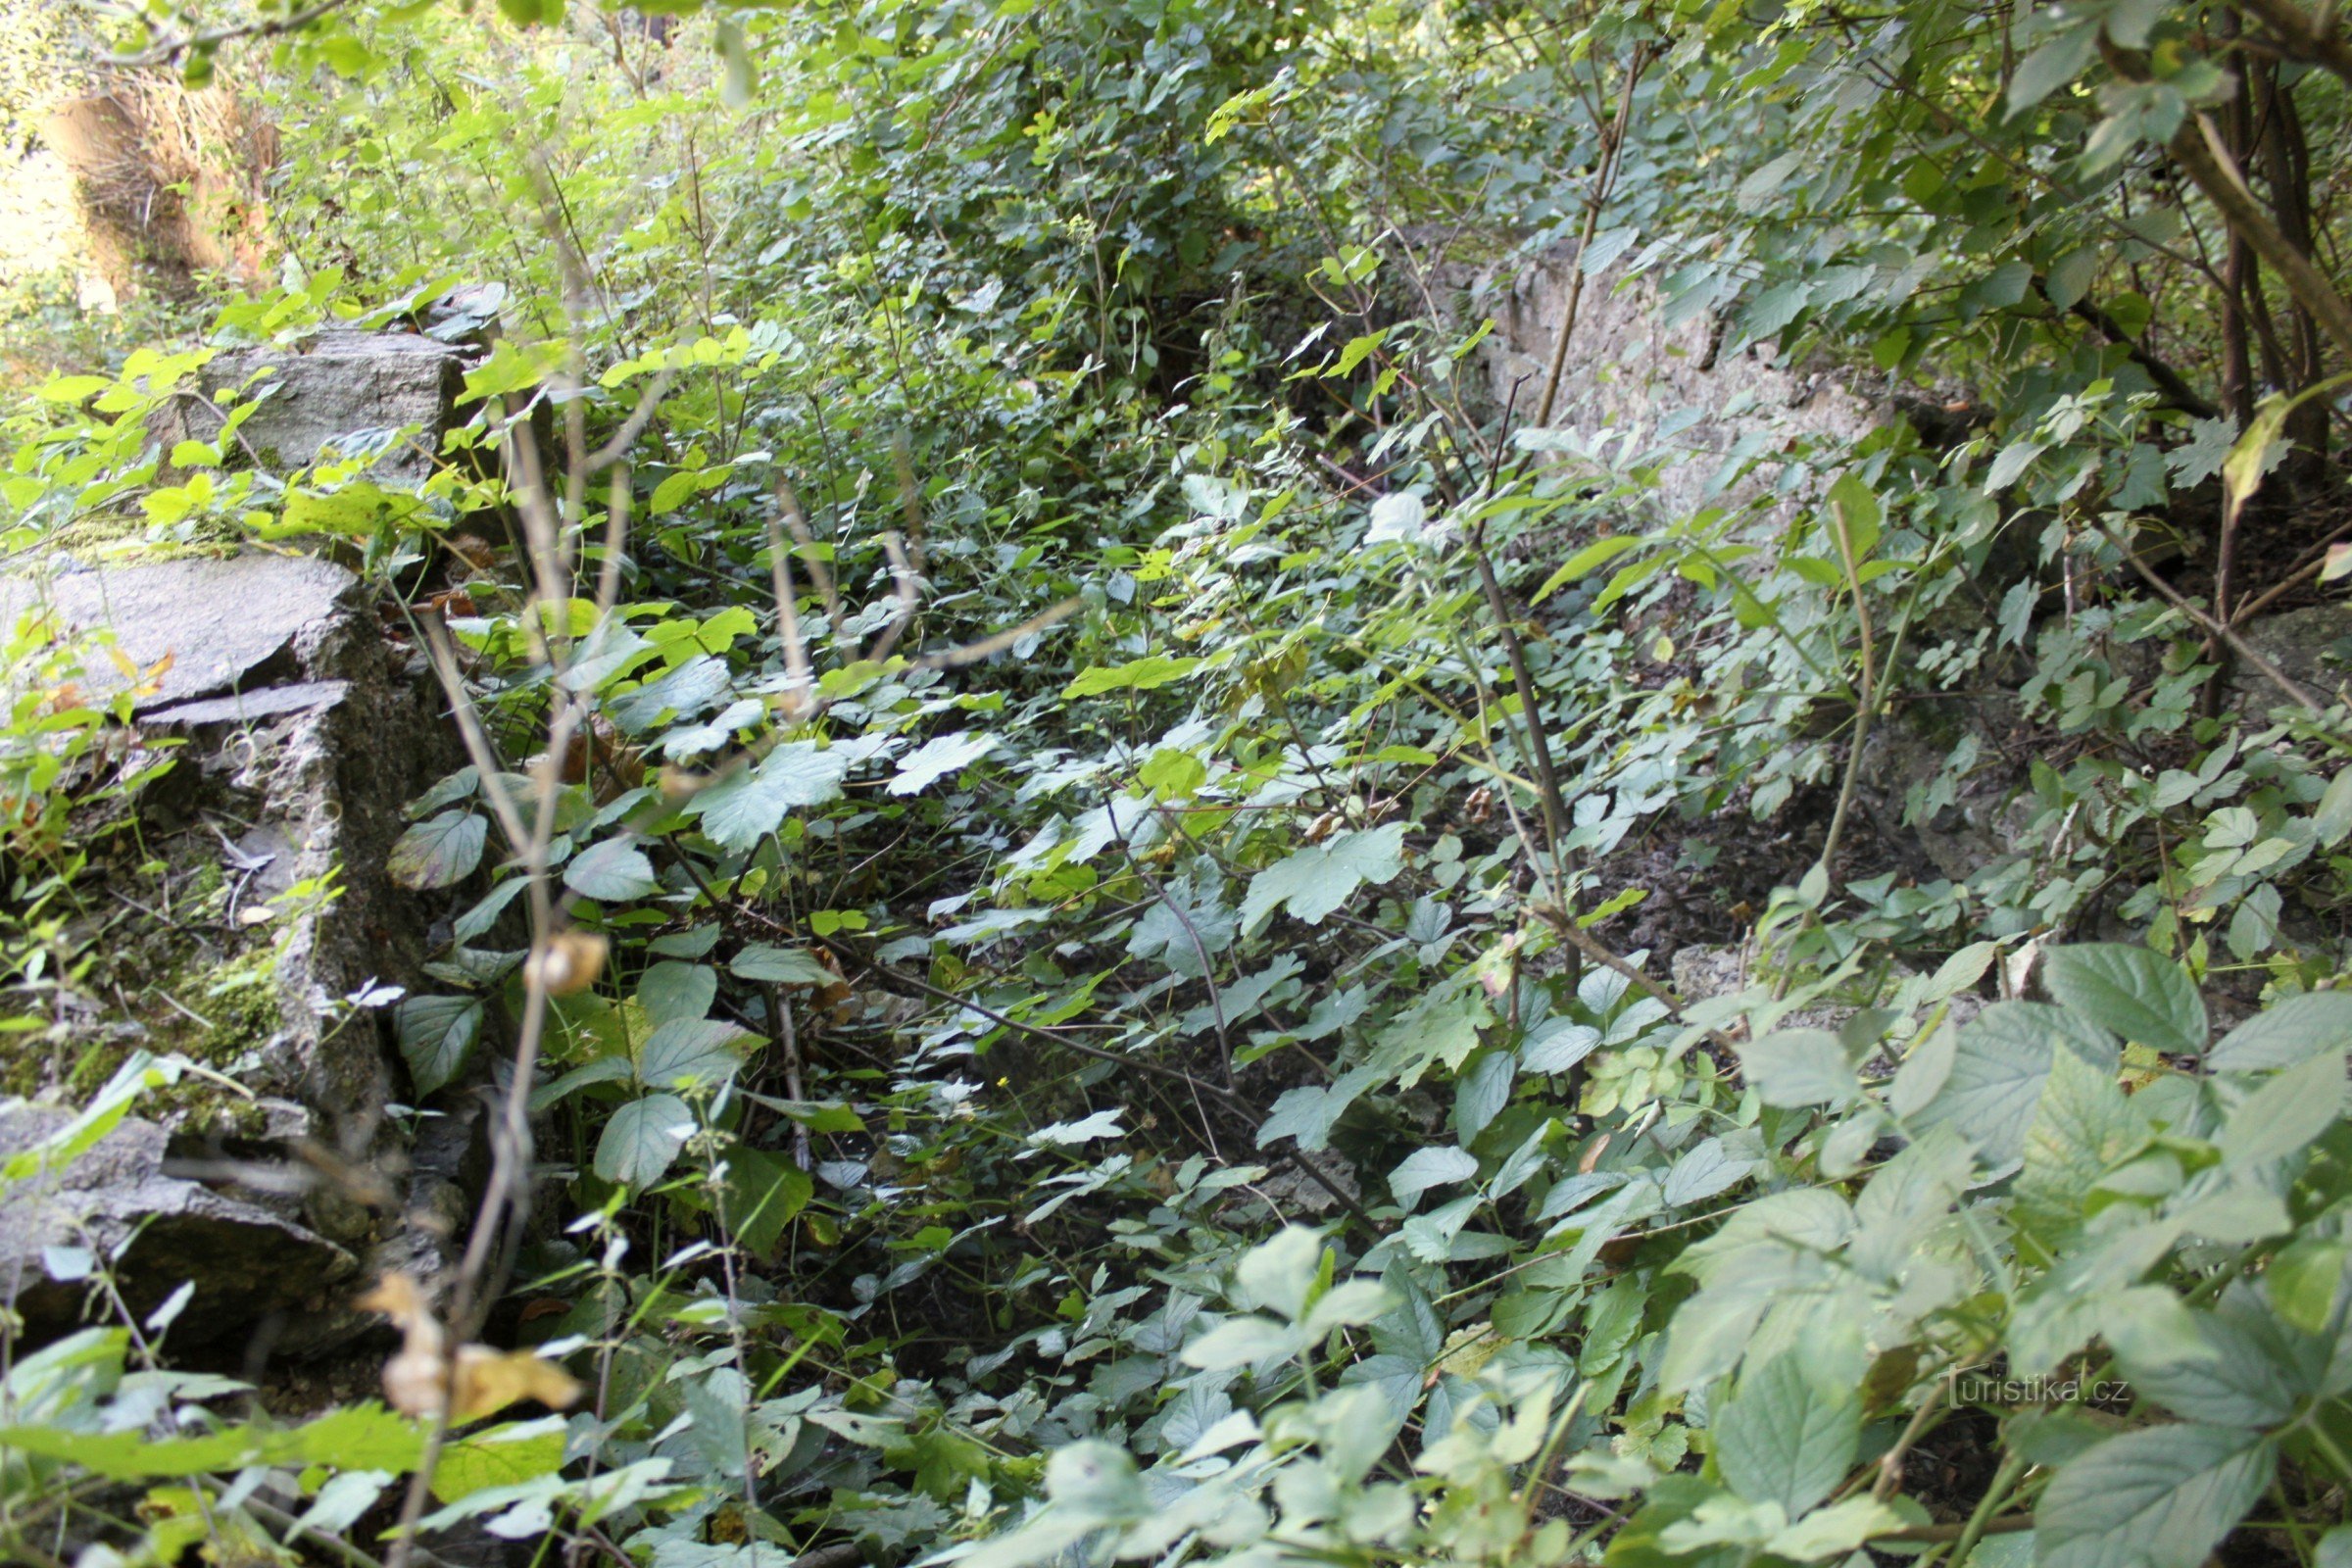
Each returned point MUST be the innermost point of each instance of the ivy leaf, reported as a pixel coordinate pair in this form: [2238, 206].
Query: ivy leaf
[1783, 1438]
[939, 758]
[437, 1036]
[2133, 991]
[2158, 1498]
[642, 1139]
[438, 852]
[612, 872]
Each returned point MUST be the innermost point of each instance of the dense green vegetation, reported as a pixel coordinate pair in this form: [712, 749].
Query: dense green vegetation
[1102, 991]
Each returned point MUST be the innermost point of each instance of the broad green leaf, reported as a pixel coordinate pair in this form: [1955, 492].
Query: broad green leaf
[612, 872]
[1241, 1342]
[1835, 1531]
[1599, 553]
[2158, 1498]
[642, 1139]
[2286, 1113]
[1277, 1273]
[672, 989]
[941, 757]
[762, 1195]
[437, 1037]
[2250, 459]
[1703, 1170]
[438, 852]
[1797, 1067]
[686, 1051]
[2286, 1033]
[1425, 1168]
[498, 1456]
[2234, 1364]
[782, 967]
[1148, 674]
[2058, 62]
[751, 803]
[2136, 992]
[1314, 881]
[1785, 1438]
[1998, 1071]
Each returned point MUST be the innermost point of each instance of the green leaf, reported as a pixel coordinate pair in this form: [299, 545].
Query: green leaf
[1599, 553]
[1279, 1273]
[939, 758]
[2136, 992]
[2286, 1113]
[672, 989]
[2250, 459]
[2159, 1497]
[437, 1037]
[438, 852]
[2233, 1366]
[1835, 1530]
[761, 1195]
[2287, 1032]
[751, 803]
[1425, 1168]
[1998, 1071]
[642, 1139]
[1316, 880]
[782, 967]
[685, 1051]
[1786, 1437]
[1241, 1342]
[1797, 1067]
[498, 1456]
[612, 872]
[2051, 67]
[1143, 675]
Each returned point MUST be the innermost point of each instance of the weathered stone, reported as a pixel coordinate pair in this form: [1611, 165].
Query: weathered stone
[1628, 372]
[244, 708]
[1968, 819]
[1700, 974]
[248, 1263]
[225, 626]
[351, 393]
[299, 739]
[2311, 646]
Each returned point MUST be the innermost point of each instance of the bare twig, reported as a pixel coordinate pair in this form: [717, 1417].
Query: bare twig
[2295, 690]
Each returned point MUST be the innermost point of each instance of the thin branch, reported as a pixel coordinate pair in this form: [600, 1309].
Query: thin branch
[2244, 650]
[208, 39]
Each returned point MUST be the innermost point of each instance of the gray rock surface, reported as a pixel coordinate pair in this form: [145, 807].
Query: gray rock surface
[248, 1263]
[2305, 646]
[296, 738]
[225, 626]
[1631, 375]
[351, 393]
